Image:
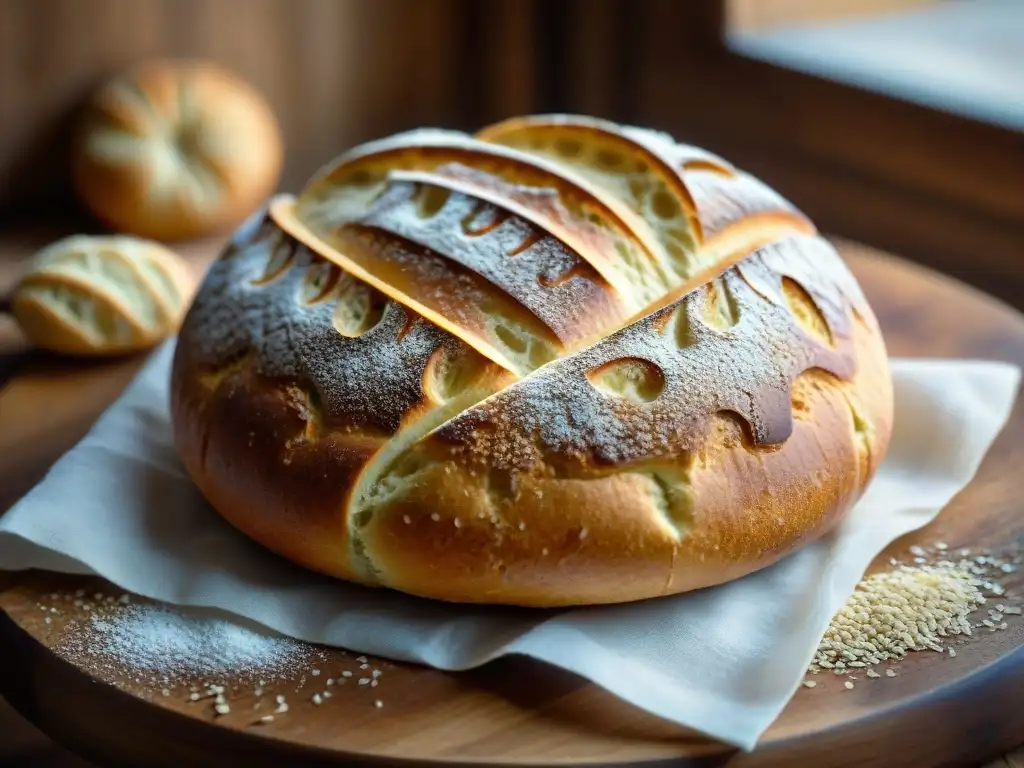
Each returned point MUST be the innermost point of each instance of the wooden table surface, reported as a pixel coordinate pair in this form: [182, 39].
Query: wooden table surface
[26, 376]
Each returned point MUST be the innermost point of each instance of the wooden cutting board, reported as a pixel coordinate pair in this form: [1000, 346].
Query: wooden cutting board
[938, 710]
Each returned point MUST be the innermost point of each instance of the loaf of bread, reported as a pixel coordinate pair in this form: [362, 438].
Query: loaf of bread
[560, 362]
[98, 295]
[176, 149]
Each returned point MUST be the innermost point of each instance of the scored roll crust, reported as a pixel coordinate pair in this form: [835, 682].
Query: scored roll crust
[559, 362]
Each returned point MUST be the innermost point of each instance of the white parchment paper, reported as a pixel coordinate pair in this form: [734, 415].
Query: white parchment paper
[120, 505]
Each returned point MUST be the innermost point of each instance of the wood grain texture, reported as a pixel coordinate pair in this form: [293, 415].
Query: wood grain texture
[938, 711]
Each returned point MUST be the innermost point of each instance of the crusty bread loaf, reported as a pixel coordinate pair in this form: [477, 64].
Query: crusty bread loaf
[176, 149]
[101, 295]
[562, 362]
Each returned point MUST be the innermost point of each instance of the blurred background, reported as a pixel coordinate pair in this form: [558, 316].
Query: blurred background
[893, 122]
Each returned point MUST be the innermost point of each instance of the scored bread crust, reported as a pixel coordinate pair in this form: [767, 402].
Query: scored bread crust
[333, 400]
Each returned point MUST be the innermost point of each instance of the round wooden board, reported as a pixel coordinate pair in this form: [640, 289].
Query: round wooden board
[938, 710]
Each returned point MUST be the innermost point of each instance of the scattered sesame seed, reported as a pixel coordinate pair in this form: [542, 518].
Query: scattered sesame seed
[376, 673]
[221, 709]
[910, 608]
[361, 659]
[941, 546]
[166, 692]
[871, 673]
[952, 652]
[435, 516]
[346, 673]
[848, 685]
[193, 696]
[583, 533]
[809, 683]
[315, 672]
[406, 519]
[279, 699]
[257, 692]
[890, 672]
[330, 681]
[544, 551]
[48, 620]
[522, 525]
[317, 699]
[373, 683]
[364, 681]
[266, 719]
[364, 666]
[326, 694]
[916, 550]
[458, 523]
[378, 703]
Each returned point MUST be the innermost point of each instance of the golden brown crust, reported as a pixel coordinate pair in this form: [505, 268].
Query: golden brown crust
[711, 479]
[176, 149]
[713, 435]
[288, 377]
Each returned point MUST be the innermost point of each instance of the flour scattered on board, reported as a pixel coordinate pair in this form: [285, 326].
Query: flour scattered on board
[175, 643]
[208, 659]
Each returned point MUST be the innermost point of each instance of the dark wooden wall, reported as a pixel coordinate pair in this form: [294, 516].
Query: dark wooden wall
[335, 71]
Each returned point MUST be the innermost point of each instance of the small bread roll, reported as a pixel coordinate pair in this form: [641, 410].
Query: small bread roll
[88, 295]
[173, 150]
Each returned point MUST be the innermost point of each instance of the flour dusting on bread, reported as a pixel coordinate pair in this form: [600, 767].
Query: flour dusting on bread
[561, 362]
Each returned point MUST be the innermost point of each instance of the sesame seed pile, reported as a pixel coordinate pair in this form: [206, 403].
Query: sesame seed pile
[207, 660]
[927, 605]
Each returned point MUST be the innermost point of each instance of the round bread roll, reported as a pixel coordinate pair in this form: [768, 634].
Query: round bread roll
[172, 150]
[560, 362]
[99, 295]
